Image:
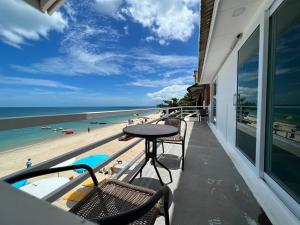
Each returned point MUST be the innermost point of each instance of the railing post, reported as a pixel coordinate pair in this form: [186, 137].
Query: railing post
[181, 112]
[167, 112]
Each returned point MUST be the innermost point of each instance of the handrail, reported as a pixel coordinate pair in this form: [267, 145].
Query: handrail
[9, 123]
[79, 179]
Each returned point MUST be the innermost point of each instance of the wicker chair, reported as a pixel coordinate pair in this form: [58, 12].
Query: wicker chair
[176, 139]
[113, 202]
[203, 113]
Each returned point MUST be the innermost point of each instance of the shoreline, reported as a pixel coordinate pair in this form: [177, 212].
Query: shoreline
[14, 159]
[56, 138]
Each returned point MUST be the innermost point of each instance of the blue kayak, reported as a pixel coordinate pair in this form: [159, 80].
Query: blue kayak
[19, 184]
[92, 161]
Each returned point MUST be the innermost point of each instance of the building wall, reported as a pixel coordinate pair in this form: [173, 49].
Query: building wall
[225, 128]
[226, 87]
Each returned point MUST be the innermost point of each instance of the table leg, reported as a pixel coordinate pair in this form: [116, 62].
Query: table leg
[154, 159]
[147, 147]
[156, 170]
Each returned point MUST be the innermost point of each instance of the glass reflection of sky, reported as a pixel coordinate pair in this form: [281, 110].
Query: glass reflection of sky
[248, 71]
[287, 70]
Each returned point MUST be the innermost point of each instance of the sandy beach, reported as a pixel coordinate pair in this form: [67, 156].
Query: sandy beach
[14, 160]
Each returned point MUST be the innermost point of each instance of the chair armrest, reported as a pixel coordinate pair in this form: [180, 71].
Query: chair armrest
[136, 213]
[27, 175]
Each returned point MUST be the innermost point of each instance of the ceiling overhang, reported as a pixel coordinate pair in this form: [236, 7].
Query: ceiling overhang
[230, 18]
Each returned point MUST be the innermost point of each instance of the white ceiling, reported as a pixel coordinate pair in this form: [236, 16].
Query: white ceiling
[226, 28]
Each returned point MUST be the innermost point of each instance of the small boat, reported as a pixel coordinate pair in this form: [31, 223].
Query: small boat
[55, 129]
[46, 128]
[93, 122]
[102, 123]
[70, 132]
[60, 128]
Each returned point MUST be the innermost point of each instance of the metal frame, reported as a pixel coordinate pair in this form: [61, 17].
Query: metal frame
[152, 155]
[290, 202]
[122, 218]
[182, 142]
[262, 93]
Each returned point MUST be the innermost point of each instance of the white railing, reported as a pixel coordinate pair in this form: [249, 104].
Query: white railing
[42, 120]
[20, 122]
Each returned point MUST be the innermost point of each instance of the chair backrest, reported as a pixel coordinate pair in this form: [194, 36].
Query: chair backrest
[173, 122]
[203, 111]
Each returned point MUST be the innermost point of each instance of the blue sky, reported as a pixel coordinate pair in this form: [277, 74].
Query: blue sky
[97, 52]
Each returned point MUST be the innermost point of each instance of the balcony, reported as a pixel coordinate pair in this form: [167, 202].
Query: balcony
[209, 191]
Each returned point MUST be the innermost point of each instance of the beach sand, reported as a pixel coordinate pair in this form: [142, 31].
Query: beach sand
[14, 160]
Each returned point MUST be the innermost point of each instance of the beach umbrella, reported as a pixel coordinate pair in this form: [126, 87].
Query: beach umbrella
[43, 187]
[92, 161]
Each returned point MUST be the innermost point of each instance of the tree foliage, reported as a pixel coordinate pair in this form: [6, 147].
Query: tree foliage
[187, 100]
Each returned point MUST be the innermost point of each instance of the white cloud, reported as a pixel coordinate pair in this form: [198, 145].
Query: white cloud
[28, 97]
[20, 23]
[167, 19]
[126, 29]
[80, 55]
[162, 82]
[79, 62]
[35, 82]
[110, 8]
[81, 58]
[174, 91]
[149, 38]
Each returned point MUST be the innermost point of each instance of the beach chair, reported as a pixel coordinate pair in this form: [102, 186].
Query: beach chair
[175, 139]
[113, 202]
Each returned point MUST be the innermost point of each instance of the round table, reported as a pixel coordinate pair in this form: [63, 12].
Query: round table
[151, 132]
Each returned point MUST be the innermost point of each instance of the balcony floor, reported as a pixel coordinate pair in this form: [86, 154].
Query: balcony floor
[210, 190]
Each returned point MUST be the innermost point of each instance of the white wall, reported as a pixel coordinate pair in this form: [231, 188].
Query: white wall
[226, 88]
[225, 129]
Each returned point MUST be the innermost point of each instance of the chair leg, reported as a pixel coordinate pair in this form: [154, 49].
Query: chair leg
[182, 165]
[162, 145]
[166, 212]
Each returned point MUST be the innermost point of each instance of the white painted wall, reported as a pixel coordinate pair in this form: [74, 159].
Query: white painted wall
[226, 88]
[225, 129]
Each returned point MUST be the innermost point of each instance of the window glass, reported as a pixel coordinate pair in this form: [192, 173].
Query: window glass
[283, 120]
[247, 81]
[214, 103]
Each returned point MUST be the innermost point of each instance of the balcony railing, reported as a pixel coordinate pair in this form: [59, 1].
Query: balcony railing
[21, 122]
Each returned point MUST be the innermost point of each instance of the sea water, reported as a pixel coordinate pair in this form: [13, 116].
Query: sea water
[17, 138]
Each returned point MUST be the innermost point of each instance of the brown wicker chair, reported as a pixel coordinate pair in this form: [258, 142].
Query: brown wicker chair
[176, 139]
[203, 113]
[113, 202]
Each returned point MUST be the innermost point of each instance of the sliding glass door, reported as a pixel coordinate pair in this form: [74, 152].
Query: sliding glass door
[282, 161]
[246, 111]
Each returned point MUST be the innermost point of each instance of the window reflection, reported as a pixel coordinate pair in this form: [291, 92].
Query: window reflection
[247, 96]
[214, 103]
[283, 141]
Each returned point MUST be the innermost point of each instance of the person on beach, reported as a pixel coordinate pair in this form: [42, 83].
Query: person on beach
[28, 163]
[89, 130]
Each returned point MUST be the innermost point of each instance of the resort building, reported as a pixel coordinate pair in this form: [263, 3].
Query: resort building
[249, 54]
[240, 165]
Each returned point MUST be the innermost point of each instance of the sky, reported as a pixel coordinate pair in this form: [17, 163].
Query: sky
[97, 52]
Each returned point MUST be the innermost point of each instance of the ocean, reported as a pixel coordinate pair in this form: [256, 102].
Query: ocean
[17, 138]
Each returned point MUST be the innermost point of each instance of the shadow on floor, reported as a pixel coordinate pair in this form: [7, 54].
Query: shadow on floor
[171, 161]
[210, 190]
